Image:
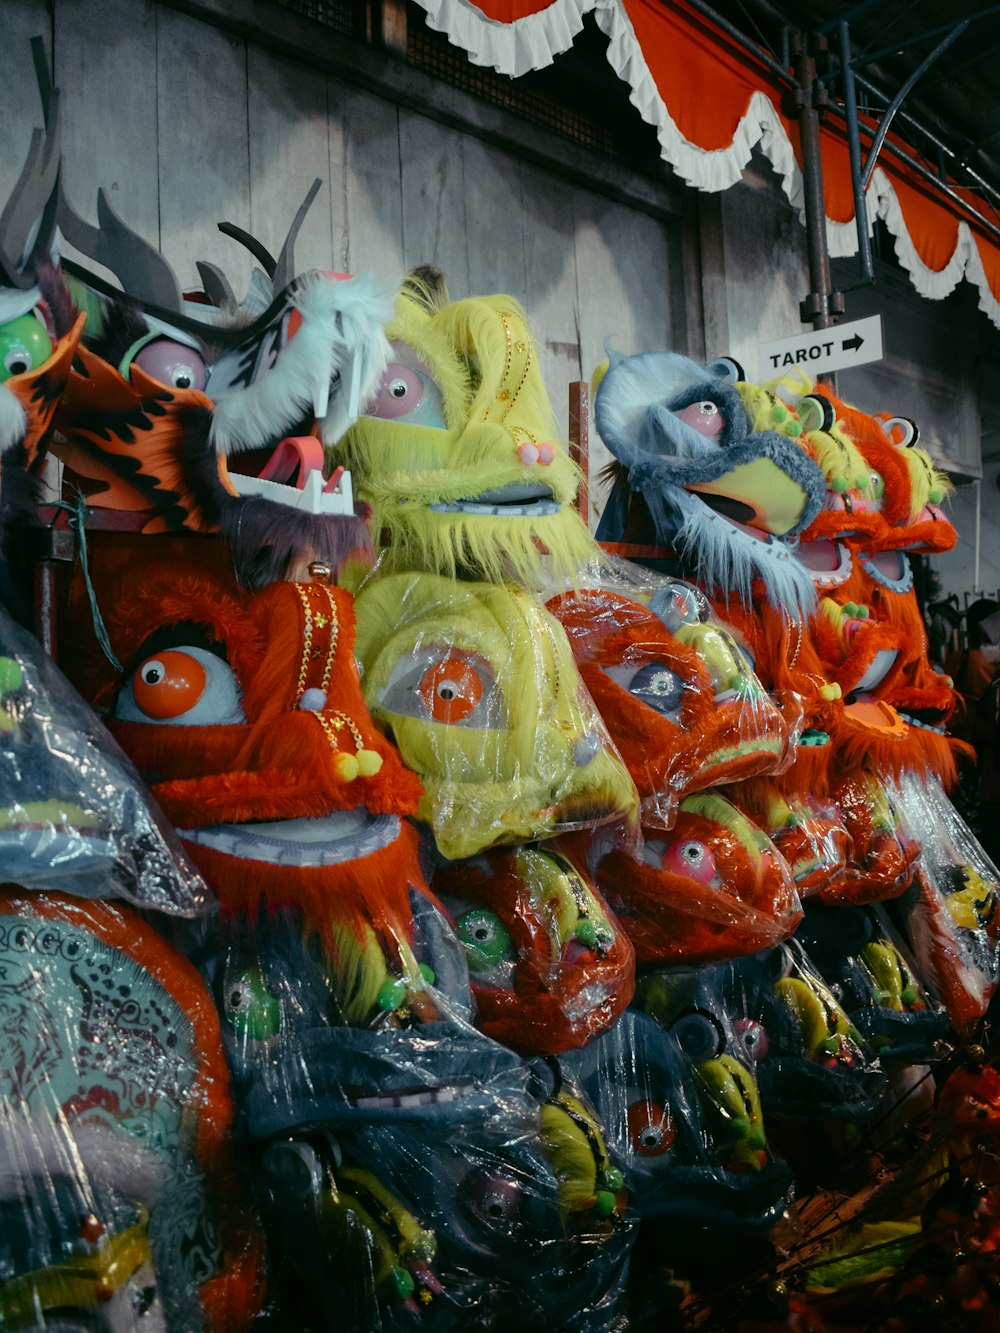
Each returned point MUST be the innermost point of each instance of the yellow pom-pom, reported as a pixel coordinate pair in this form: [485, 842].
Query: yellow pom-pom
[369, 763]
[347, 767]
[831, 691]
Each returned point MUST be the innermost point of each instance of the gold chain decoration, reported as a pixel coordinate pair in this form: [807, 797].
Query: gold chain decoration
[503, 394]
[316, 619]
[364, 763]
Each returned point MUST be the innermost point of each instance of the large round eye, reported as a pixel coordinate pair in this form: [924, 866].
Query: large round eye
[655, 684]
[752, 1036]
[24, 344]
[451, 690]
[651, 1128]
[700, 1035]
[251, 1010]
[169, 684]
[485, 938]
[704, 417]
[441, 683]
[172, 363]
[181, 686]
[690, 858]
[407, 391]
[492, 1197]
[400, 393]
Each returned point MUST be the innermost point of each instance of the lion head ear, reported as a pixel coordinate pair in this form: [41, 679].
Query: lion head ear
[816, 412]
[727, 368]
[427, 286]
[901, 431]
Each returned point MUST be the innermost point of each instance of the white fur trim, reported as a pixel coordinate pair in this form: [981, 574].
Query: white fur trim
[510, 48]
[761, 127]
[341, 318]
[13, 421]
[533, 41]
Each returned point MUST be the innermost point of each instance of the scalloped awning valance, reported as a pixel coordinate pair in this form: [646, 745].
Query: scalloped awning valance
[712, 104]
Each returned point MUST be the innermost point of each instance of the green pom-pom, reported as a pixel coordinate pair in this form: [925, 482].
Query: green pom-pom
[402, 1283]
[586, 933]
[613, 1179]
[780, 412]
[839, 484]
[909, 995]
[604, 1203]
[11, 675]
[391, 994]
[427, 972]
[793, 429]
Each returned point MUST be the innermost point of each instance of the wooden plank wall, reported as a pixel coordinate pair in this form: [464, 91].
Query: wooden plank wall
[186, 126]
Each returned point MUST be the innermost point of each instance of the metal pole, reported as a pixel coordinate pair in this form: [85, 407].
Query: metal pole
[854, 149]
[821, 306]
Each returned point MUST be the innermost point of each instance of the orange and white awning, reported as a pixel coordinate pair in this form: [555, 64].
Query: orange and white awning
[712, 104]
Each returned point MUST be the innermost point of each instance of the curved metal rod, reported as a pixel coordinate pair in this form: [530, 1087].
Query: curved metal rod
[901, 96]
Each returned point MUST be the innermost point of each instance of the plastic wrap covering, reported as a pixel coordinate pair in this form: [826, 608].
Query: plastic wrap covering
[532, 1232]
[863, 953]
[74, 815]
[406, 1160]
[118, 1202]
[808, 1057]
[809, 833]
[885, 850]
[479, 689]
[713, 887]
[676, 690]
[681, 1107]
[951, 909]
[550, 967]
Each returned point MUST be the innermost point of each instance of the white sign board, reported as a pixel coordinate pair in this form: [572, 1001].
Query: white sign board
[840, 348]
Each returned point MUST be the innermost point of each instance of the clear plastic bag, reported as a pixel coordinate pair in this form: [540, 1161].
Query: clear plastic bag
[713, 887]
[675, 688]
[550, 967]
[74, 814]
[951, 909]
[118, 1192]
[477, 686]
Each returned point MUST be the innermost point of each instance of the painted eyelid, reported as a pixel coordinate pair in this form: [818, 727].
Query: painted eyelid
[405, 690]
[219, 703]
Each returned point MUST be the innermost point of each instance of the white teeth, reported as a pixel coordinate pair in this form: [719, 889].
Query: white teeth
[321, 398]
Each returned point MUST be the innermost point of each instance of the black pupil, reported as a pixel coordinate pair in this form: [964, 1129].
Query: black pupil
[398, 389]
[152, 676]
[236, 999]
[18, 366]
[481, 932]
[183, 380]
[649, 1137]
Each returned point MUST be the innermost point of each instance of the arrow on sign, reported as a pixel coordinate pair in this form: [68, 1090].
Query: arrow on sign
[852, 344]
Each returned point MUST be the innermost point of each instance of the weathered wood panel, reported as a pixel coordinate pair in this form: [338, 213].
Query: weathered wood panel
[203, 152]
[21, 20]
[494, 231]
[434, 194]
[288, 133]
[110, 132]
[365, 176]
